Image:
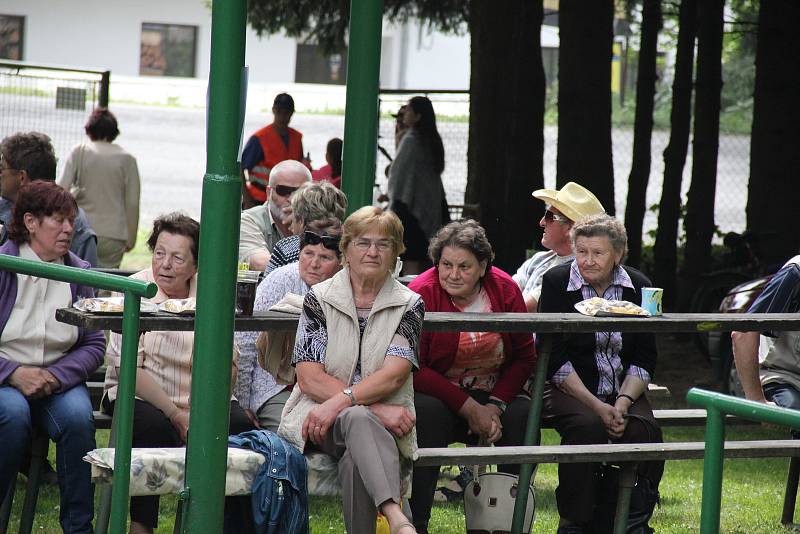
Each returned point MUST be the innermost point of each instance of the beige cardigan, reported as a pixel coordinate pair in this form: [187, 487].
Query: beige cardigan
[108, 188]
[335, 295]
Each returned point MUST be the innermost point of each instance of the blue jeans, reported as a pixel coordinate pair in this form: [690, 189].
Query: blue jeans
[785, 396]
[67, 419]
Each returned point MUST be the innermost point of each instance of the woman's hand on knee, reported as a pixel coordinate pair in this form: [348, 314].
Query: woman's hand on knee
[34, 382]
[396, 419]
[321, 418]
[483, 420]
[612, 418]
[180, 420]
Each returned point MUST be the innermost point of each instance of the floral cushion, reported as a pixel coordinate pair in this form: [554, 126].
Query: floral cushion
[159, 471]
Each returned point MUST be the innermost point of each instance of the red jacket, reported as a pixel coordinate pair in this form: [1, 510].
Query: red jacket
[274, 152]
[438, 349]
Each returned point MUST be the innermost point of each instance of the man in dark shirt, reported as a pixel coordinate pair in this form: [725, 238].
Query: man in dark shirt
[769, 365]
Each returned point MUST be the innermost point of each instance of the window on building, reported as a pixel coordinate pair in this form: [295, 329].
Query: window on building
[11, 37]
[312, 66]
[168, 50]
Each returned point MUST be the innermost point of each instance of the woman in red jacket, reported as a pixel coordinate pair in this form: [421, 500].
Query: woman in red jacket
[468, 383]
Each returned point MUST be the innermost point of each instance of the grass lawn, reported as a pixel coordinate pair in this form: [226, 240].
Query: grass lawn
[751, 502]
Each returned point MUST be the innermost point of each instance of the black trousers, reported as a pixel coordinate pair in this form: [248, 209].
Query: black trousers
[579, 425]
[438, 426]
[152, 428]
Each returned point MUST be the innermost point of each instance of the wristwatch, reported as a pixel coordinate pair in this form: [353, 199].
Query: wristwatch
[500, 404]
[349, 393]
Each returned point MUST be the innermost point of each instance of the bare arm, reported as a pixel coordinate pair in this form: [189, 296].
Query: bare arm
[745, 355]
[574, 387]
[316, 383]
[148, 390]
[258, 260]
[531, 303]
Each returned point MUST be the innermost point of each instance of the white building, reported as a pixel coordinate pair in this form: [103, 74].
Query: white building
[161, 44]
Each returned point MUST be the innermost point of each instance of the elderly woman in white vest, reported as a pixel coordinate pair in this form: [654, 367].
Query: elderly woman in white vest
[356, 347]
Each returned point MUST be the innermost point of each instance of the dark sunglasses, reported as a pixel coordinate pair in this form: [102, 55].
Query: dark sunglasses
[328, 241]
[284, 190]
[550, 216]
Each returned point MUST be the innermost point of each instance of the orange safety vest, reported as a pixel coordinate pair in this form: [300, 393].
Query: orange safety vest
[274, 151]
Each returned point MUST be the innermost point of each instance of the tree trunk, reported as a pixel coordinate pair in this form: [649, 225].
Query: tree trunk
[642, 130]
[699, 222]
[665, 250]
[584, 97]
[506, 129]
[772, 193]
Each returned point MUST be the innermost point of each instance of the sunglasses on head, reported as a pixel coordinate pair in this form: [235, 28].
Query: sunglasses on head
[284, 190]
[328, 241]
[550, 216]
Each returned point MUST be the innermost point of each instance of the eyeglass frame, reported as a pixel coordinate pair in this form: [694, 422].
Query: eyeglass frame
[281, 189]
[381, 245]
[330, 242]
[551, 216]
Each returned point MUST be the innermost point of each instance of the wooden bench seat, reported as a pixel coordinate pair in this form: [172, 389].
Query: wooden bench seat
[611, 453]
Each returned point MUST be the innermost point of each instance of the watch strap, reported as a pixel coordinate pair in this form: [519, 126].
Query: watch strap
[349, 393]
[500, 404]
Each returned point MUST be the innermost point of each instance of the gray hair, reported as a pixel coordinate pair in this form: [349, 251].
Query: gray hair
[289, 166]
[318, 200]
[602, 225]
[466, 234]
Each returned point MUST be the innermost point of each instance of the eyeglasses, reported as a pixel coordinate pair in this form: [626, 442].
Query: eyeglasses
[328, 241]
[284, 190]
[365, 244]
[550, 217]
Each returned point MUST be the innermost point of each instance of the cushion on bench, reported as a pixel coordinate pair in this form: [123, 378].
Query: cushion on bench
[160, 471]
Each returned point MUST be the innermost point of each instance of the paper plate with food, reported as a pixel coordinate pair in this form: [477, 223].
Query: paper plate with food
[599, 307]
[111, 305]
[182, 306]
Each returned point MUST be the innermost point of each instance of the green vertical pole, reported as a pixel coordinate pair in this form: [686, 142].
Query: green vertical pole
[206, 454]
[712, 471]
[531, 432]
[123, 413]
[361, 109]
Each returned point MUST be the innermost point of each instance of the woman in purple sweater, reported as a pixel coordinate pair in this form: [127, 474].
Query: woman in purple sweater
[44, 364]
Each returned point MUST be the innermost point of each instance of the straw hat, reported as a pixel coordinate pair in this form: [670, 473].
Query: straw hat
[573, 200]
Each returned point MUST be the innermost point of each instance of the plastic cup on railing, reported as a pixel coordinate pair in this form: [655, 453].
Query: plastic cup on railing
[246, 284]
[651, 299]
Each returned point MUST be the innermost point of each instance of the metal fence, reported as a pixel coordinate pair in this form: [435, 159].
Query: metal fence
[452, 112]
[51, 100]
[452, 121]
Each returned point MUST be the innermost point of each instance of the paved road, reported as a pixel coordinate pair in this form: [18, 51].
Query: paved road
[169, 144]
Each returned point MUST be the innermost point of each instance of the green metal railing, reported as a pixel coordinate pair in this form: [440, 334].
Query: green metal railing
[717, 406]
[123, 416]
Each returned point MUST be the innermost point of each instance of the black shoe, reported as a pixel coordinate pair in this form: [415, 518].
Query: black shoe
[570, 529]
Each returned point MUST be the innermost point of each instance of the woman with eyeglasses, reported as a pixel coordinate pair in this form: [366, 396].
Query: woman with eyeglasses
[356, 347]
[468, 383]
[161, 416]
[416, 193]
[257, 390]
[597, 382]
[44, 364]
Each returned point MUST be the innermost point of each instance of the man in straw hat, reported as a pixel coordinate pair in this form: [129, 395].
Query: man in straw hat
[562, 208]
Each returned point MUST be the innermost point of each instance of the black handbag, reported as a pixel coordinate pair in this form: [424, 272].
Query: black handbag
[644, 497]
